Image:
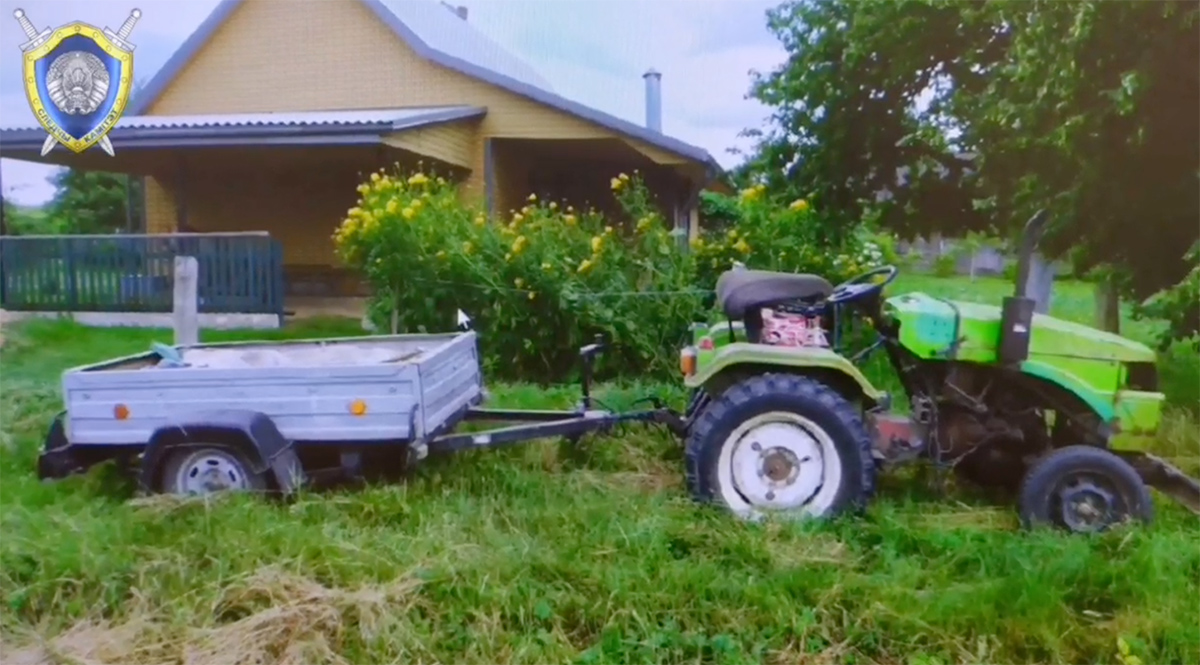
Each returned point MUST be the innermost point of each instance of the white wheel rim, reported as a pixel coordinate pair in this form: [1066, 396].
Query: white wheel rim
[209, 471]
[779, 462]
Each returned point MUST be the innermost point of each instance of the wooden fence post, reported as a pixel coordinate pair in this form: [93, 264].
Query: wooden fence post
[186, 301]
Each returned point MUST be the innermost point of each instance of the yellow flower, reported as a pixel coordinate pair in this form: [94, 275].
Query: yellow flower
[518, 282]
[697, 242]
[547, 267]
[441, 180]
[623, 177]
[749, 194]
[615, 184]
[364, 188]
[570, 209]
[418, 179]
[799, 205]
[480, 220]
[741, 246]
[417, 203]
[608, 230]
[391, 207]
[508, 257]
[526, 210]
[644, 223]
[532, 198]
[441, 254]
[569, 219]
[354, 212]
[530, 296]
[517, 217]
[519, 244]
[374, 177]
[408, 213]
[553, 205]
[732, 234]
[467, 247]
[585, 265]
[597, 244]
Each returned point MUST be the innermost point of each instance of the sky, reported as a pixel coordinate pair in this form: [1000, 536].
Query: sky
[591, 51]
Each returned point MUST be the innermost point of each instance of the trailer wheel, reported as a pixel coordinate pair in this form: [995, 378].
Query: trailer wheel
[1083, 489]
[199, 469]
[780, 444]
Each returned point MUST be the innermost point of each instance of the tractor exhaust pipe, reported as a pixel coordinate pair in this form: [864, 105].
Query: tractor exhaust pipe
[1016, 316]
[1034, 229]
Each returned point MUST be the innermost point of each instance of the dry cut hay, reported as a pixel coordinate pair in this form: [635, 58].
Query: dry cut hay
[273, 617]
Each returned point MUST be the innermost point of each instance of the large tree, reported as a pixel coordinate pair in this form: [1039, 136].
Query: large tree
[948, 116]
[89, 202]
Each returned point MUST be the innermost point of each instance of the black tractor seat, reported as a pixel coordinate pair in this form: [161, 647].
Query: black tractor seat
[740, 290]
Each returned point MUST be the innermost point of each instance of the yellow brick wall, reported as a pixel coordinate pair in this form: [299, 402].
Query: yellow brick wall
[452, 143]
[353, 61]
[160, 207]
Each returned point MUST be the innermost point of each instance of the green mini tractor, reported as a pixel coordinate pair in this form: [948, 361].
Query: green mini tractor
[1009, 399]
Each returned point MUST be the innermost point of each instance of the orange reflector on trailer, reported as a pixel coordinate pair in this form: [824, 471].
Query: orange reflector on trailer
[120, 412]
[687, 361]
[358, 407]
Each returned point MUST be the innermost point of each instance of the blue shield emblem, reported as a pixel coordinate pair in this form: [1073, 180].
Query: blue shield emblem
[78, 80]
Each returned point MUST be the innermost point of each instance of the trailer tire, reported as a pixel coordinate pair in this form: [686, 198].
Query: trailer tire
[207, 468]
[815, 459]
[1083, 489]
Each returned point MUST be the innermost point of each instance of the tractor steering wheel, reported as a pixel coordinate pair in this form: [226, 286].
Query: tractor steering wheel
[863, 286]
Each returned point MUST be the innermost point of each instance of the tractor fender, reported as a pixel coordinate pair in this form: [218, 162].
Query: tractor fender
[736, 358]
[1072, 384]
[252, 433]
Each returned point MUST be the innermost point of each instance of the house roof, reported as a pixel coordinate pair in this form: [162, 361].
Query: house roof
[306, 128]
[440, 36]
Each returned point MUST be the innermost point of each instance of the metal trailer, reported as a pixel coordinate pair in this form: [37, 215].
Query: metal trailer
[277, 416]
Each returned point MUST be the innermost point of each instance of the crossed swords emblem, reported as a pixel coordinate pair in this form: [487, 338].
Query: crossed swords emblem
[120, 38]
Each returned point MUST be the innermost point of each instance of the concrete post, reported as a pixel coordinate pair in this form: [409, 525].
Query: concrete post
[186, 304]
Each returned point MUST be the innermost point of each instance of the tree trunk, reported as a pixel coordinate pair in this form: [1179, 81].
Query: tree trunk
[1108, 306]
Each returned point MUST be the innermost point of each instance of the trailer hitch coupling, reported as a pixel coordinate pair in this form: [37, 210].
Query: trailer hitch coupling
[1164, 477]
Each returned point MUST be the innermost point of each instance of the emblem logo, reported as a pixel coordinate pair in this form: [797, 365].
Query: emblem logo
[77, 79]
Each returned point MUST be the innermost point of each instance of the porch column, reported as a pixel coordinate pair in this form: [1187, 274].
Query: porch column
[489, 177]
[181, 212]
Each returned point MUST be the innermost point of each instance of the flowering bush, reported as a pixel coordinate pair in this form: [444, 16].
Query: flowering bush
[538, 283]
[544, 279]
[791, 238]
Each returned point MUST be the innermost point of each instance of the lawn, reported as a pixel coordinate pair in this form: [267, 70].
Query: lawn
[545, 553]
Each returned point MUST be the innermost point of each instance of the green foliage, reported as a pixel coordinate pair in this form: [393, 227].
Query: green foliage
[538, 284]
[1179, 305]
[717, 211]
[945, 265]
[87, 202]
[1078, 107]
[549, 278]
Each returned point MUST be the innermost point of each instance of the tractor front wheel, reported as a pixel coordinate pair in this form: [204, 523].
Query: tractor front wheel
[784, 444]
[1083, 489]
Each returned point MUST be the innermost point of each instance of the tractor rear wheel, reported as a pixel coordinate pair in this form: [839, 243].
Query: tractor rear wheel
[778, 443]
[1083, 489]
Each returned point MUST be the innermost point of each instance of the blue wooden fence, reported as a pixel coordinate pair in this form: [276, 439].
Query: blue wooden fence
[240, 273]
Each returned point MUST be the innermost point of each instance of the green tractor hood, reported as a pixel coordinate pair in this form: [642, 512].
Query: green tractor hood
[1115, 376]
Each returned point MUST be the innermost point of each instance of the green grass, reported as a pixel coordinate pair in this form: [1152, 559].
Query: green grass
[543, 553]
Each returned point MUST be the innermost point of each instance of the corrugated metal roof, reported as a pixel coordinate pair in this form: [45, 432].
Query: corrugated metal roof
[398, 118]
[442, 30]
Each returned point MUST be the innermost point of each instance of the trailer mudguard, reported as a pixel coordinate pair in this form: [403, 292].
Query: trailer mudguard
[742, 354]
[252, 433]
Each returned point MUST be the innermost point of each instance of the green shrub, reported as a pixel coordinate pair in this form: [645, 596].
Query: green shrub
[545, 280]
[945, 265]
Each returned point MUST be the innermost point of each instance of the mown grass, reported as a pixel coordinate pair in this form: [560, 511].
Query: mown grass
[546, 553]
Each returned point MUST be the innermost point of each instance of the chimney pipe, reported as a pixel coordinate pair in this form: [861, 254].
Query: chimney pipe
[460, 11]
[653, 100]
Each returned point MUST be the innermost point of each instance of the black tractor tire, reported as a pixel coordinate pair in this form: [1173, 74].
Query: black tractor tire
[1066, 481]
[837, 418]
